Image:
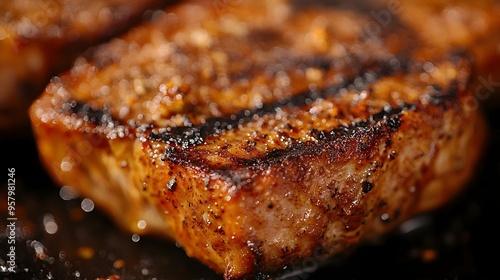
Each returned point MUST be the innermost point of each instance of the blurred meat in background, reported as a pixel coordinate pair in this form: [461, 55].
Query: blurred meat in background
[39, 39]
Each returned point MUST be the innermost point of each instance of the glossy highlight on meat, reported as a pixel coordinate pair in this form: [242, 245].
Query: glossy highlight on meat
[262, 135]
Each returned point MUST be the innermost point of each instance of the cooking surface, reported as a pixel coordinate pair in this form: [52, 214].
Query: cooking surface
[60, 236]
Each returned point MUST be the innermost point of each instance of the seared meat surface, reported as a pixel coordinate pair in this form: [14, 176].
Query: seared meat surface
[458, 24]
[38, 39]
[260, 134]
[472, 26]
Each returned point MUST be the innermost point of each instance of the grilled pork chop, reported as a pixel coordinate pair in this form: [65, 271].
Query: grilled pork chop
[261, 134]
[39, 39]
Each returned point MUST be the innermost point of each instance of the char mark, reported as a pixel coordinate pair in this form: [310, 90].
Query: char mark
[438, 95]
[87, 113]
[355, 140]
[356, 5]
[386, 122]
[192, 135]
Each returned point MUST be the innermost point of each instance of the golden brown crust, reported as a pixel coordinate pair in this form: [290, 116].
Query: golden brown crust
[471, 26]
[254, 149]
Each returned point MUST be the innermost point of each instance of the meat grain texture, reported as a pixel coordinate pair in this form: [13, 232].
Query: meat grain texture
[262, 134]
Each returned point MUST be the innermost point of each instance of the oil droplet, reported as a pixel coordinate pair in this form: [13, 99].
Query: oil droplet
[385, 217]
[87, 205]
[67, 193]
[26, 232]
[145, 271]
[39, 249]
[49, 223]
[141, 224]
[66, 164]
[119, 264]
[428, 67]
[136, 237]
[62, 255]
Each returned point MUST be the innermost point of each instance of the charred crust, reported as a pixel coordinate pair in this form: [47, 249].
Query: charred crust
[184, 136]
[258, 256]
[172, 184]
[438, 95]
[193, 135]
[366, 186]
[97, 116]
[363, 132]
[382, 203]
[356, 140]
